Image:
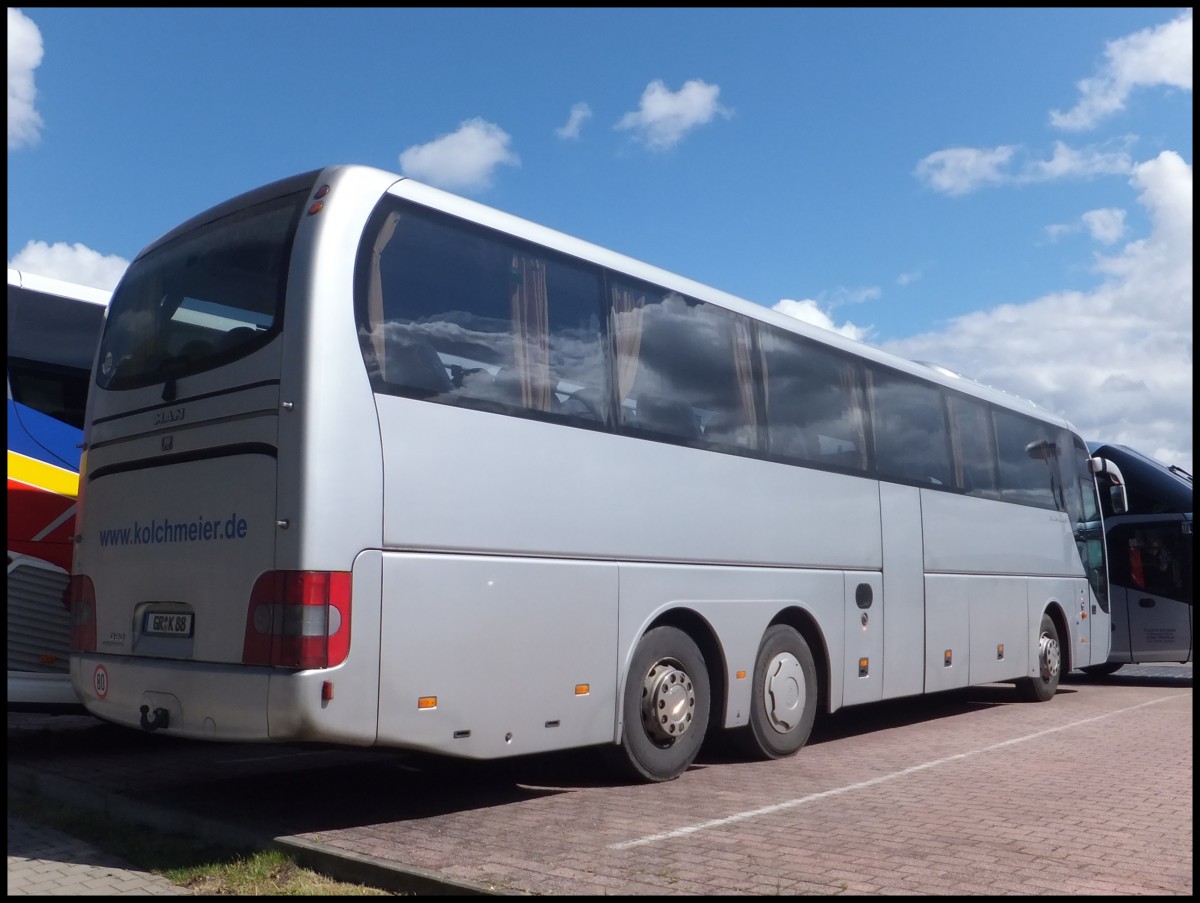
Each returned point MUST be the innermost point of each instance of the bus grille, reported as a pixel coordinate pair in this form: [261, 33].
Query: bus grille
[39, 625]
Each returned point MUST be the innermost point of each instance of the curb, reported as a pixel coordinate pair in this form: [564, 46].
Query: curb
[341, 865]
[344, 865]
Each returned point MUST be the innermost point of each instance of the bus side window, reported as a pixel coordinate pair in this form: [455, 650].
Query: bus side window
[470, 317]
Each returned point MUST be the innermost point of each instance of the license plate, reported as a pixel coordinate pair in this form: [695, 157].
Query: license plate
[167, 623]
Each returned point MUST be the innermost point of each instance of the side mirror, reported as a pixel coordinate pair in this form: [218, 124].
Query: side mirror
[1108, 474]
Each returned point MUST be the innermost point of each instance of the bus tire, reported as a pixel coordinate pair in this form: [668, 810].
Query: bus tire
[666, 704]
[1102, 670]
[1049, 663]
[783, 700]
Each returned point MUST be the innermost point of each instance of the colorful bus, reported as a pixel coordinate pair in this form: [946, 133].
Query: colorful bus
[53, 330]
[373, 464]
[1150, 562]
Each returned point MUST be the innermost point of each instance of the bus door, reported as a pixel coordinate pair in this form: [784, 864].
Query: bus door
[1152, 585]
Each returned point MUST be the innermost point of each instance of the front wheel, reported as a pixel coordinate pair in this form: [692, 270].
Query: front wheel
[783, 700]
[1049, 660]
[665, 706]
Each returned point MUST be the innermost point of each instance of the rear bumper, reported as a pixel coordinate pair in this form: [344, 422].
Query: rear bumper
[203, 701]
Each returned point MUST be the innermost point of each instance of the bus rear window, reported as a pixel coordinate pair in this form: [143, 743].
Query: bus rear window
[202, 299]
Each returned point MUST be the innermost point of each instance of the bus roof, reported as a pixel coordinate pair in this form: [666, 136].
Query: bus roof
[51, 286]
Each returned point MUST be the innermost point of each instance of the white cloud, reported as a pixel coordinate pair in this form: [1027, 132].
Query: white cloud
[810, 312]
[1106, 226]
[1153, 56]
[663, 118]
[24, 55]
[579, 113]
[960, 170]
[1069, 163]
[1116, 361]
[461, 160]
[71, 263]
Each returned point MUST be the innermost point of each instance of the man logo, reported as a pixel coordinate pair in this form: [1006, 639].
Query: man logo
[167, 442]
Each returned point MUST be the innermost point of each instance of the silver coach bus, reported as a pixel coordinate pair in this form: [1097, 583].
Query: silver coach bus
[373, 464]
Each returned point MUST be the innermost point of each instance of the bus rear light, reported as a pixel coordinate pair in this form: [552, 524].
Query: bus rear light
[80, 599]
[298, 619]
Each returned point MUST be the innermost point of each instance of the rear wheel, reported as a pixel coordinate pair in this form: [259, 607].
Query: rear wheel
[783, 702]
[1049, 662]
[666, 703]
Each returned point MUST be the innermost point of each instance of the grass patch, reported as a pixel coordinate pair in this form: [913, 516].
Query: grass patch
[197, 866]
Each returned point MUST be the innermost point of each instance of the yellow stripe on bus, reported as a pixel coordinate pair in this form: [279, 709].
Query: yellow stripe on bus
[41, 475]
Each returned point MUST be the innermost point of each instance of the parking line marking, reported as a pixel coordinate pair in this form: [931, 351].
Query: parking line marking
[812, 797]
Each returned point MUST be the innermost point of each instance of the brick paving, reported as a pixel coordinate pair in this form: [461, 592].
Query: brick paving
[45, 862]
[966, 793]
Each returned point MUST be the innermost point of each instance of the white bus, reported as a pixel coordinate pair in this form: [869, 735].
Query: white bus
[53, 329]
[1150, 562]
[373, 464]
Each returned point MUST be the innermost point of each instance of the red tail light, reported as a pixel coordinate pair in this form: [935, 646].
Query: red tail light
[80, 599]
[298, 619]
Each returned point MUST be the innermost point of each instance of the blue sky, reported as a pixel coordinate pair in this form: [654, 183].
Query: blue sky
[1004, 192]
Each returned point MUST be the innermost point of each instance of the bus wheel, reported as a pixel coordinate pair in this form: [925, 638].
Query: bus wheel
[1049, 659]
[1101, 670]
[783, 701]
[666, 705]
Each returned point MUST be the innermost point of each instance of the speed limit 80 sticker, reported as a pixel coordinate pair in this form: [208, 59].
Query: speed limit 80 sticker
[100, 681]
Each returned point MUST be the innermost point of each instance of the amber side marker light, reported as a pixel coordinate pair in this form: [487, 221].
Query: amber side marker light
[317, 205]
[427, 702]
[583, 689]
[741, 675]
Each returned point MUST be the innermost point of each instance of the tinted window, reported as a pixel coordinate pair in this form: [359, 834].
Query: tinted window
[1027, 462]
[51, 343]
[462, 315]
[1083, 508]
[1153, 559]
[813, 402]
[202, 299]
[974, 446]
[909, 422]
[685, 369]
